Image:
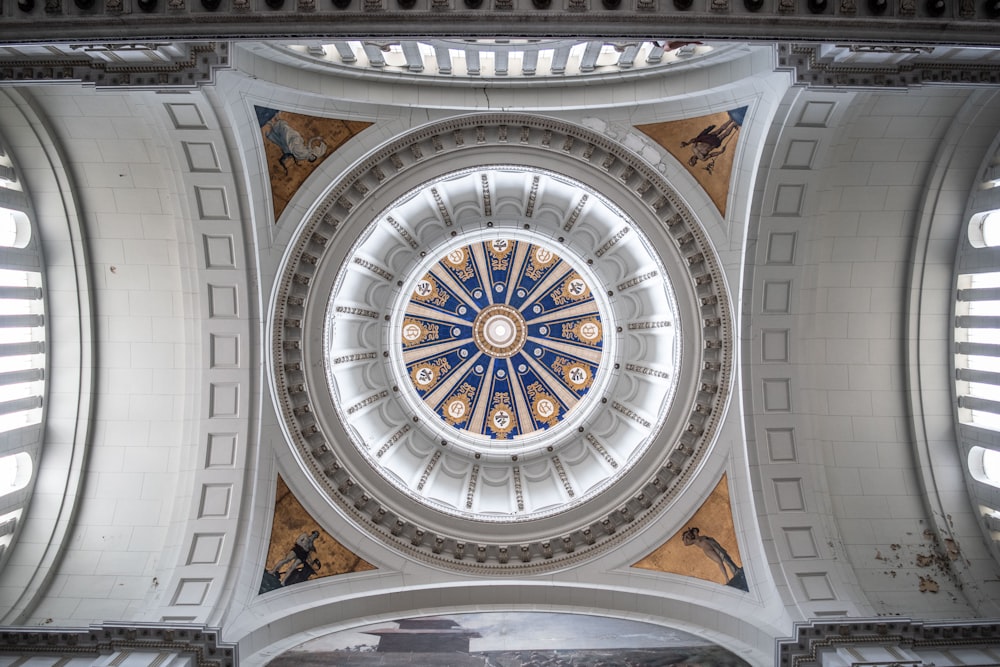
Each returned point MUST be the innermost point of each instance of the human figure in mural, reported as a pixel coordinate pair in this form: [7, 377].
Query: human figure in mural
[711, 548]
[302, 572]
[292, 145]
[713, 141]
[305, 544]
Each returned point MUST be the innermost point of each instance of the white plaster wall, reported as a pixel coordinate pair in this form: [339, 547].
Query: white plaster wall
[839, 478]
[139, 252]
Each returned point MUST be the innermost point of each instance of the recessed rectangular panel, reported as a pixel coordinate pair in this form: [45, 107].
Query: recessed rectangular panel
[224, 400]
[213, 203]
[186, 116]
[544, 492]
[774, 345]
[815, 114]
[205, 548]
[215, 500]
[448, 488]
[788, 494]
[800, 154]
[816, 586]
[587, 471]
[801, 543]
[495, 497]
[780, 247]
[777, 294]
[224, 350]
[222, 301]
[781, 445]
[201, 156]
[221, 450]
[788, 199]
[191, 592]
[219, 251]
[777, 395]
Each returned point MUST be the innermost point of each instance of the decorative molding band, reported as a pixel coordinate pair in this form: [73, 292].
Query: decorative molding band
[202, 644]
[217, 471]
[109, 65]
[903, 637]
[963, 22]
[846, 66]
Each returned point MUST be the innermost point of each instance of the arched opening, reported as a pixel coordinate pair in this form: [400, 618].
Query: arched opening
[15, 229]
[977, 321]
[984, 229]
[15, 473]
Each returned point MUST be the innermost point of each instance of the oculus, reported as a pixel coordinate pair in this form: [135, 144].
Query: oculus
[502, 338]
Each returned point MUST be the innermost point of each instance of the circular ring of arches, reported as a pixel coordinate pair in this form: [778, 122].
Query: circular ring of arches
[505, 340]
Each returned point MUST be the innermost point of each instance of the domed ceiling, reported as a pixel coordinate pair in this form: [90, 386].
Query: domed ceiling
[501, 344]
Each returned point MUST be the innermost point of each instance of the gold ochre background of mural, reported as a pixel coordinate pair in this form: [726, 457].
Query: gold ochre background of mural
[333, 131]
[291, 520]
[714, 518]
[713, 177]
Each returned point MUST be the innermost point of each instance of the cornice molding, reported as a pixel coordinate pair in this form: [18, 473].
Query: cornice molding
[961, 22]
[880, 66]
[806, 647]
[131, 64]
[202, 644]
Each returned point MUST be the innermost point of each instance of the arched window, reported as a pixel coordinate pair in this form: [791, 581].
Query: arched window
[984, 464]
[15, 229]
[22, 333]
[15, 473]
[23, 340]
[977, 337]
[991, 466]
[984, 229]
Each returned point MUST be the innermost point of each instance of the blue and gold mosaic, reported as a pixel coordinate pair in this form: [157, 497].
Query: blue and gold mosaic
[502, 338]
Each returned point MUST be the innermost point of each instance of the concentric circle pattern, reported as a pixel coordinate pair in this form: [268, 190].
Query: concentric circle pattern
[502, 343]
[495, 365]
[502, 338]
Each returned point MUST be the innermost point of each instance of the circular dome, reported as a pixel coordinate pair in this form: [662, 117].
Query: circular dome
[501, 344]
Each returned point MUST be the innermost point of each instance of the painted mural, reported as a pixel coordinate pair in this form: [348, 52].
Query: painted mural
[300, 550]
[295, 145]
[510, 639]
[705, 146]
[706, 547]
